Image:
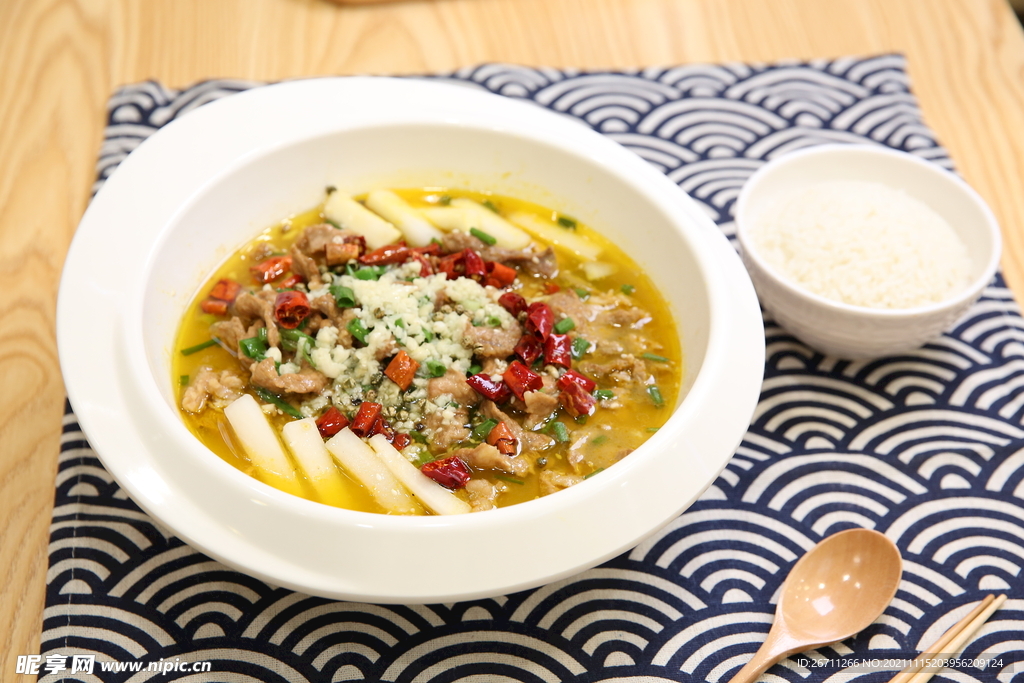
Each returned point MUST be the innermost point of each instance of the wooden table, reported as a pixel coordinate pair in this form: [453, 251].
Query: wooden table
[62, 58]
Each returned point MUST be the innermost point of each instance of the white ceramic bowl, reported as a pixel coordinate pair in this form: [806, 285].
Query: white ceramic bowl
[208, 182]
[841, 329]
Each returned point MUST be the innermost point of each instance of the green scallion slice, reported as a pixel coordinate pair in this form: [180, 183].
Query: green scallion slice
[511, 480]
[599, 439]
[368, 273]
[567, 222]
[580, 347]
[484, 237]
[652, 429]
[285, 407]
[474, 370]
[198, 347]
[183, 381]
[343, 296]
[581, 419]
[655, 393]
[418, 437]
[334, 223]
[604, 394]
[358, 330]
[444, 200]
[493, 321]
[428, 334]
[436, 368]
[654, 357]
[490, 205]
[628, 289]
[481, 431]
[581, 293]
[588, 476]
[254, 347]
[558, 430]
[564, 325]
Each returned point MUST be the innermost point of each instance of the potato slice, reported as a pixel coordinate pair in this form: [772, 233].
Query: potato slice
[351, 215]
[465, 214]
[260, 442]
[556, 234]
[434, 496]
[360, 461]
[304, 441]
[415, 227]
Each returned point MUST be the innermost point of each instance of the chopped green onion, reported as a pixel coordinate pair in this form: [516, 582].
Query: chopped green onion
[481, 431]
[436, 368]
[199, 347]
[490, 205]
[428, 334]
[358, 330]
[343, 296]
[581, 293]
[261, 334]
[588, 476]
[599, 439]
[511, 480]
[604, 394]
[474, 369]
[628, 289]
[183, 381]
[399, 323]
[424, 457]
[581, 419]
[254, 347]
[567, 222]
[334, 223]
[290, 340]
[444, 200]
[418, 437]
[655, 393]
[580, 347]
[493, 321]
[652, 429]
[558, 430]
[564, 325]
[654, 357]
[368, 273]
[484, 237]
[285, 407]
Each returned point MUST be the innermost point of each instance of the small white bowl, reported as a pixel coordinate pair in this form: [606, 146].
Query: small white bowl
[841, 329]
[211, 180]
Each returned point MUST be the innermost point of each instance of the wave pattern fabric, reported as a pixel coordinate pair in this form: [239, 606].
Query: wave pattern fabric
[927, 448]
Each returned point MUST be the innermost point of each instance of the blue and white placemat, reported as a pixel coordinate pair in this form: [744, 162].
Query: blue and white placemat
[927, 448]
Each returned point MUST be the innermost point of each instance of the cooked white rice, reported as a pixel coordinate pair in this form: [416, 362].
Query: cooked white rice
[864, 244]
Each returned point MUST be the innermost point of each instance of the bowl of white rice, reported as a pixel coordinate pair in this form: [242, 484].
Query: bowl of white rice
[863, 251]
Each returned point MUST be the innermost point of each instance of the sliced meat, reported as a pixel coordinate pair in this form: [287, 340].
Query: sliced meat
[541, 263]
[444, 434]
[388, 348]
[628, 316]
[208, 383]
[229, 332]
[487, 457]
[492, 342]
[454, 384]
[530, 441]
[626, 369]
[315, 238]
[482, 494]
[304, 265]
[259, 306]
[539, 407]
[264, 251]
[338, 318]
[566, 303]
[551, 481]
[305, 381]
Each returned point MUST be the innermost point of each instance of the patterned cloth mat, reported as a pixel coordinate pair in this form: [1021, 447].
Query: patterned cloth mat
[927, 447]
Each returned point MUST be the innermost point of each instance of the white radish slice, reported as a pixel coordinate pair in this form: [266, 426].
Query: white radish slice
[304, 440]
[417, 230]
[595, 270]
[434, 496]
[351, 215]
[556, 234]
[480, 217]
[260, 442]
[446, 217]
[362, 463]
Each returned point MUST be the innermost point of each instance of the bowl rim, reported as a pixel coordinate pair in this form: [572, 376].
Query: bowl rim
[750, 251]
[229, 149]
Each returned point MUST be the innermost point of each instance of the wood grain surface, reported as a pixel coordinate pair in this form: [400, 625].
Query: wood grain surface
[60, 59]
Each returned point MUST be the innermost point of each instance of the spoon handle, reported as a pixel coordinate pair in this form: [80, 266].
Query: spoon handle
[775, 647]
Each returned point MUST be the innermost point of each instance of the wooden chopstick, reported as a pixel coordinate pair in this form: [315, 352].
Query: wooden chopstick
[953, 640]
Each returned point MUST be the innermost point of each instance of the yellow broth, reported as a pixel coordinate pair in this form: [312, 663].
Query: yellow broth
[610, 432]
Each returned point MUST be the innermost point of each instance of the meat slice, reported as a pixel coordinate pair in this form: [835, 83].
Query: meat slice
[446, 434]
[530, 441]
[567, 303]
[306, 266]
[482, 494]
[315, 238]
[624, 370]
[259, 306]
[208, 383]
[492, 342]
[551, 482]
[229, 332]
[454, 384]
[539, 407]
[487, 457]
[530, 259]
[305, 381]
[543, 263]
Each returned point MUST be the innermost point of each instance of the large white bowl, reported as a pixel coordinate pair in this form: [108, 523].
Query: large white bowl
[208, 182]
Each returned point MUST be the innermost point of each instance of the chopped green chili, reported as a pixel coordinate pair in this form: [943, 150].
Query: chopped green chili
[343, 296]
[183, 381]
[655, 393]
[436, 368]
[490, 205]
[559, 431]
[481, 431]
[285, 407]
[564, 325]
[358, 330]
[199, 347]
[628, 289]
[567, 222]
[580, 347]
[588, 476]
[604, 394]
[654, 357]
[511, 480]
[484, 237]
[581, 293]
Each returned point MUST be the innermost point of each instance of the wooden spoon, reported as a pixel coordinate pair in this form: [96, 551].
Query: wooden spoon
[836, 590]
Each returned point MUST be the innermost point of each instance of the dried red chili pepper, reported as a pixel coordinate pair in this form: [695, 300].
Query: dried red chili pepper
[401, 440]
[512, 302]
[291, 308]
[452, 265]
[225, 290]
[488, 388]
[425, 267]
[558, 350]
[381, 426]
[432, 249]
[331, 422]
[451, 472]
[540, 319]
[357, 240]
[577, 400]
[529, 348]
[401, 370]
[521, 379]
[291, 281]
[271, 269]
[214, 306]
[499, 275]
[551, 288]
[366, 418]
[388, 254]
[502, 438]
[573, 377]
[474, 265]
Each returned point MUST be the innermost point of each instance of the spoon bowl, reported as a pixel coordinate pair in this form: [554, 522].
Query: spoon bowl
[833, 592]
